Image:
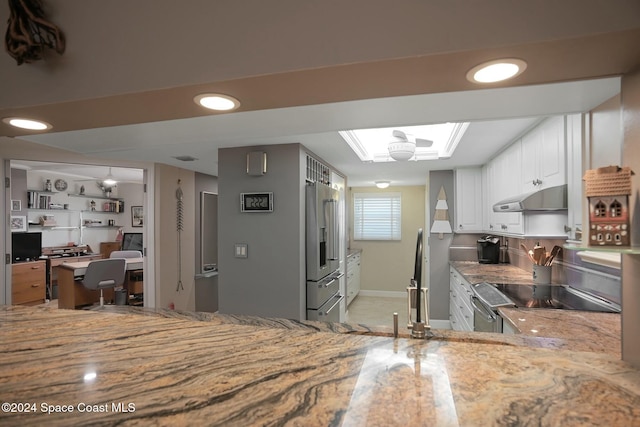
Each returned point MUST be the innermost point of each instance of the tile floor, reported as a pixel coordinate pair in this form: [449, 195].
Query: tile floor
[377, 311]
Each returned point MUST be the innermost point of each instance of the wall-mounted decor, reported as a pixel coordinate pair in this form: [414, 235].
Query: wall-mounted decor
[137, 215]
[29, 33]
[18, 223]
[441, 224]
[608, 190]
[16, 205]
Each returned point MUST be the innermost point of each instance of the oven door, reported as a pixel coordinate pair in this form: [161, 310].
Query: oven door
[329, 311]
[484, 319]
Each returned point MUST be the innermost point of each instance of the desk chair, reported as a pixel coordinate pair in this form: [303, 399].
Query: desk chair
[104, 273]
[126, 254]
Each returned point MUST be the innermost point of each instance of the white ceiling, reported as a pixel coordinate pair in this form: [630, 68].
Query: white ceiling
[498, 116]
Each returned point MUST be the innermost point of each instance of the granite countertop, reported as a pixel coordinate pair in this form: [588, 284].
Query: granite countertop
[154, 369]
[475, 272]
[580, 330]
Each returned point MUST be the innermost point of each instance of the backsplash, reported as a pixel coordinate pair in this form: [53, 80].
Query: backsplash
[568, 268]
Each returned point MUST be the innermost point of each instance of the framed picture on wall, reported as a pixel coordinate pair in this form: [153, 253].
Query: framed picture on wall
[18, 223]
[136, 216]
[16, 205]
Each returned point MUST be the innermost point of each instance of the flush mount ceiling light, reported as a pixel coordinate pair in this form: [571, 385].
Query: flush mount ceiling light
[29, 124]
[496, 71]
[217, 102]
[382, 184]
[405, 143]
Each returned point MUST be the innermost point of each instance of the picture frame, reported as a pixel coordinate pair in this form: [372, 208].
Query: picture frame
[18, 223]
[137, 216]
[16, 205]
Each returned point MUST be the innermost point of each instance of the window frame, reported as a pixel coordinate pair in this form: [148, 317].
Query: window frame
[390, 225]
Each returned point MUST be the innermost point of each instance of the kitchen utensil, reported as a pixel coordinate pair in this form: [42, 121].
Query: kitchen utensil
[554, 252]
[527, 251]
[539, 255]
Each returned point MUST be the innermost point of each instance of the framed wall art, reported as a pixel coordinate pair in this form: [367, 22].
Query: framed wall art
[137, 216]
[18, 223]
[16, 205]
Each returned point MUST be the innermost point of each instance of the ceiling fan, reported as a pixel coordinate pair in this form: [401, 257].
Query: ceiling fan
[403, 145]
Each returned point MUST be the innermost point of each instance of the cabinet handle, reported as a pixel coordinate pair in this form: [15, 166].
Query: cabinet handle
[35, 285]
[35, 267]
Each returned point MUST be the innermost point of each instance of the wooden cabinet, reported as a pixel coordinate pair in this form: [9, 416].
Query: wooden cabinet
[544, 156]
[107, 247]
[28, 283]
[460, 310]
[353, 276]
[469, 200]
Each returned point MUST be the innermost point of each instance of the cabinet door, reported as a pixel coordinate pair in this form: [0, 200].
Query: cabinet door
[469, 199]
[553, 152]
[531, 144]
[489, 177]
[574, 175]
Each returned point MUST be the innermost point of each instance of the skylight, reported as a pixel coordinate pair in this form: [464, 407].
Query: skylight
[372, 145]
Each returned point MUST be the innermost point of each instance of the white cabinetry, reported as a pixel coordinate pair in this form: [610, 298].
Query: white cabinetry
[543, 156]
[574, 175]
[507, 185]
[469, 207]
[460, 311]
[353, 276]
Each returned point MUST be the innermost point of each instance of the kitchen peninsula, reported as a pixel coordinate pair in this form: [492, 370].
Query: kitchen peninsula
[175, 368]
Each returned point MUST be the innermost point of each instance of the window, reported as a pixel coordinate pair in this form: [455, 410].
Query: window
[616, 209]
[377, 216]
[601, 209]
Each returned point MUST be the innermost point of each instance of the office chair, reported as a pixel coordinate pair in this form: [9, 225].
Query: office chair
[104, 273]
[126, 254]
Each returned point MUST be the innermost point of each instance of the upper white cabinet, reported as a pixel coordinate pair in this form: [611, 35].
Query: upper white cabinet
[544, 156]
[469, 198]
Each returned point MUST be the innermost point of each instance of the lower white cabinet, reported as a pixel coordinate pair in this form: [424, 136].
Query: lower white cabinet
[353, 276]
[460, 310]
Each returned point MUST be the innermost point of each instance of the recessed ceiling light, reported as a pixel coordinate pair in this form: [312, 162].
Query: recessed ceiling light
[382, 184]
[216, 101]
[26, 123]
[496, 71]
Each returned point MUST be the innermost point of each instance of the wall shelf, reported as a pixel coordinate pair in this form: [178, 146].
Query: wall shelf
[96, 196]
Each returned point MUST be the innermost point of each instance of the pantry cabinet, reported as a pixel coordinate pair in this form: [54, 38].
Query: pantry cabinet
[469, 200]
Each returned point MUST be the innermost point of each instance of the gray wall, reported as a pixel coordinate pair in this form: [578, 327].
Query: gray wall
[270, 282]
[439, 249]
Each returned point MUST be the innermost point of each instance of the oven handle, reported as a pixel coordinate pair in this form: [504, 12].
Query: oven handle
[490, 317]
[334, 305]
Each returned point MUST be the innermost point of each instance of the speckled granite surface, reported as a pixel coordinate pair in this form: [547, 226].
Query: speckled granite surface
[492, 273]
[182, 371]
[580, 330]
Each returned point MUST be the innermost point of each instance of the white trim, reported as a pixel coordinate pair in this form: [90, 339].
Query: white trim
[384, 294]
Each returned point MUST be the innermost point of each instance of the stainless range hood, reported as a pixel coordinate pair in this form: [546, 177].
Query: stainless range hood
[547, 199]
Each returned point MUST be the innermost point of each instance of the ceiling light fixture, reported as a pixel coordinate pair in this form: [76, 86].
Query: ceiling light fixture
[382, 184]
[496, 71]
[109, 180]
[216, 101]
[29, 124]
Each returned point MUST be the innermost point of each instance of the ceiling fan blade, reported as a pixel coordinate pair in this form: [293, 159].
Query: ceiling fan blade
[399, 134]
[425, 143]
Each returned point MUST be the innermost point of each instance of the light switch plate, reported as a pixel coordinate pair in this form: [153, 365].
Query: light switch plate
[241, 250]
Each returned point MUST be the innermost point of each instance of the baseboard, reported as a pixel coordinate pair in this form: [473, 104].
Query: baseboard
[384, 294]
[440, 324]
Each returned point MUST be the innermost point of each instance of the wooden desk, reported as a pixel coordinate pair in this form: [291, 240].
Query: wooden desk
[53, 262]
[72, 293]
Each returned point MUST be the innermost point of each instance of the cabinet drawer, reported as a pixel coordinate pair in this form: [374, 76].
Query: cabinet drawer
[28, 283]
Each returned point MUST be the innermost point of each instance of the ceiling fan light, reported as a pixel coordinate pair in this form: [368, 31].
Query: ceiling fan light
[109, 180]
[382, 184]
[402, 150]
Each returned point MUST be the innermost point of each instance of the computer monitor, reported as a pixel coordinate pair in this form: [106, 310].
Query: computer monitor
[132, 242]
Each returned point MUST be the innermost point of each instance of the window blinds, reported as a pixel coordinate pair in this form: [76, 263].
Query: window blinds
[377, 216]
